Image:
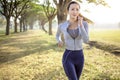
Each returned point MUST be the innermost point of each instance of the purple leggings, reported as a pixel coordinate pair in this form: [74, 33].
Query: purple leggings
[73, 62]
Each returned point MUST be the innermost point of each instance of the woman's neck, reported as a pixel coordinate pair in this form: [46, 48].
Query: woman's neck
[72, 21]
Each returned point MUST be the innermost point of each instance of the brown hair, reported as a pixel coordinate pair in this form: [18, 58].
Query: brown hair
[86, 19]
[72, 2]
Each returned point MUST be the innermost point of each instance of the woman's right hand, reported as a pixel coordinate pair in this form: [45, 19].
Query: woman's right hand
[60, 44]
[80, 20]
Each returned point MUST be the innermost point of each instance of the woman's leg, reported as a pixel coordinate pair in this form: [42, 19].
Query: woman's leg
[79, 63]
[70, 71]
[68, 66]
[79, 68]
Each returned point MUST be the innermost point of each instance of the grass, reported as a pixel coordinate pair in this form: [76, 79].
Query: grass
[106, 36]
[34, 55]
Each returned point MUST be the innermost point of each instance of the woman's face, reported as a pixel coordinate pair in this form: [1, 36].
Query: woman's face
[73, 11]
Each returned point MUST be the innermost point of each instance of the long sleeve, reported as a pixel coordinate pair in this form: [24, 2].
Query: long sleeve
[86, 27]
[58, 34]
[84, 32]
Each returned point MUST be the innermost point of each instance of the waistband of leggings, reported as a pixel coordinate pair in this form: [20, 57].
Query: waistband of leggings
[74, 50]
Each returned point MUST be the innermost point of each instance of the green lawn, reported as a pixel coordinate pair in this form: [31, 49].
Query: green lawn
[34, 55]
[107, 36]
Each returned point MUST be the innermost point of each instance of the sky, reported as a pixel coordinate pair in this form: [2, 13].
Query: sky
[101, 14]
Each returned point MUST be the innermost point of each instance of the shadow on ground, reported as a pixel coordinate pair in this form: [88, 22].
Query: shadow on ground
[27, 48]
[106, 47]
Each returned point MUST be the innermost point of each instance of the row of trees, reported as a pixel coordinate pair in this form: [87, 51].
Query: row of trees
[29, 11]
[12, 8]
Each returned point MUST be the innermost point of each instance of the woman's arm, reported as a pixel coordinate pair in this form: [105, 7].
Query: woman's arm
[58, 36]
[84, 32]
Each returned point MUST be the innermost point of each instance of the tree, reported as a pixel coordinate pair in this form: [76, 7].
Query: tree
[23, 22]
[10, 6]
[19, 6]
[42, 21]
[7, 7]
[2, 21]
[62, 4]
[50, 13]
[61, 9]
[39, 15]
[28, 15]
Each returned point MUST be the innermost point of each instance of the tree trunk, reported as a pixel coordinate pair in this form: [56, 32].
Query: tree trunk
[31, 26]
[26, 28]
[40, 24]
[7, 26]
[20, 25]
[43, 28]
[61, 16]
[61, 10]
[50, 26]
[15, 22]
[23, 25]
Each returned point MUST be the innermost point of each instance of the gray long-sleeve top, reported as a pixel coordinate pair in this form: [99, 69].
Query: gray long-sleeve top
[70, 43]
